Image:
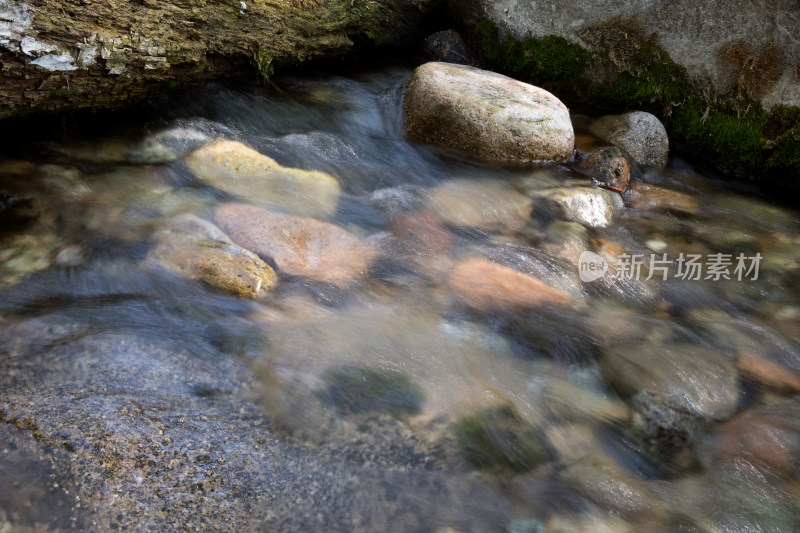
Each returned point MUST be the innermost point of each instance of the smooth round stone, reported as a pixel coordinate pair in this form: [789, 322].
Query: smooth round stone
[486, 114]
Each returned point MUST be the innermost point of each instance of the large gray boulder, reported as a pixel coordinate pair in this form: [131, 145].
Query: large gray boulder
[487, 114]
[739, 45]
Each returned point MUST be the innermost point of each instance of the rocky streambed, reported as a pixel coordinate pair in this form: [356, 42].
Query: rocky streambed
[242, 310]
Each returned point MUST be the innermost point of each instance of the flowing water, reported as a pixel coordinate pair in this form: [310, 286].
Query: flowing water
[410, 399]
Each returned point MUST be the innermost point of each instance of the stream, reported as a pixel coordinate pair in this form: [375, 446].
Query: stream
[411, 396]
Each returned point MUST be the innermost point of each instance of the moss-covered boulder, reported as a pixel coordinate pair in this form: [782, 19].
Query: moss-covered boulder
[62, 56]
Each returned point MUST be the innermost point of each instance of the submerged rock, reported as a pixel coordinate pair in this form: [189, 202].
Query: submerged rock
[572, 402]
[197, 249]
[665, 431]
[298, 246]
[422, 230]
[639, 134]
[648, 197]
[485, 205]
[610, 486]
[242, 171]
[498, 439]
[761, 439]
[355, 389]
[769, 374]
[589, 206]
[704, 381]
[487, 286]
[486, 114]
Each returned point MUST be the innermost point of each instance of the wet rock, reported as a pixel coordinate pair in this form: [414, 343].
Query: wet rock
[610, 325]
[591, 521]
[29, 495]
[609, 166]
[569, 401]
[486, 114]
[199, 250]
[129, 433]
[485, 205]
[611, 487]
[449, 46]
[589, 206]
[704, 381]
[769, 374]
[487, 286]
[572, 442]
[298, 246]
[736, 498]
[560, 231]
[567, 240]
[762, 440]
[421, 230]
[242, 171]
[16, 213]
[639, 134]
[666, 432]
[652, 197]
[355, 389]
[498, 439]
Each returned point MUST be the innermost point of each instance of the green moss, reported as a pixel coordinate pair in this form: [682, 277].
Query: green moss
[708, 129]
[263, 61]
[546, 60]
[628, 70]
[497, 439]
[355, 389]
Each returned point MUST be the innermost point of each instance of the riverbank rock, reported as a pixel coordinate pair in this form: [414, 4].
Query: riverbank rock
[704, 381]
[589, 206]
[448, 46]
[242, 171]
[199, 250]
[486, 114]
[484, 205]
[639, 134]
[110, 55]
[298, 246]
[740, 53]
[487, 286]
[609, 166]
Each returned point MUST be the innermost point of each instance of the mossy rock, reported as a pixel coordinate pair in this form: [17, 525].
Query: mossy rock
[497, 439]
[357, 389]
[626, 69]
